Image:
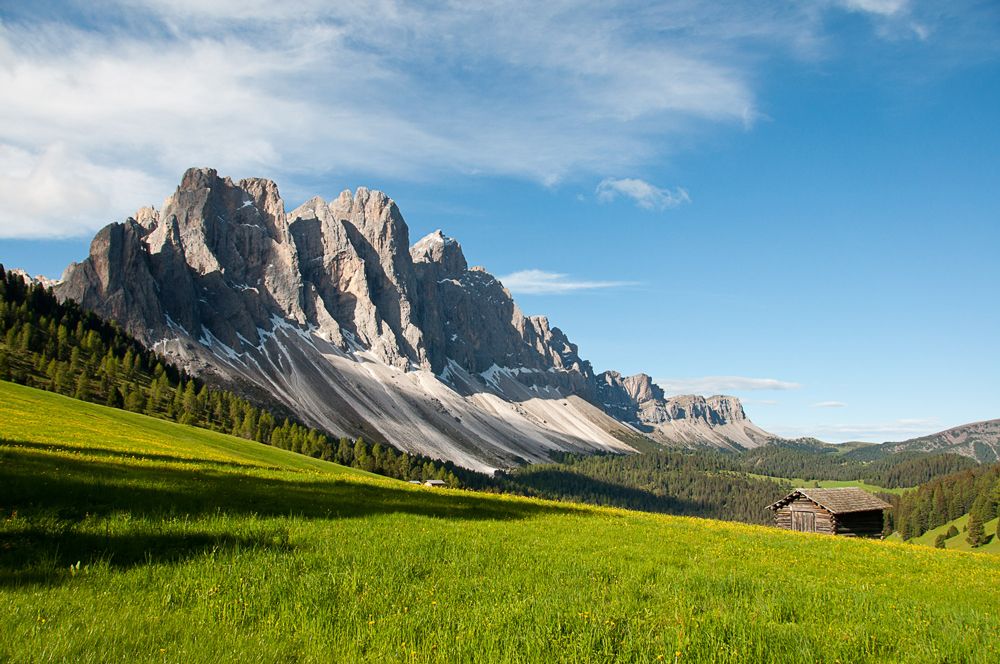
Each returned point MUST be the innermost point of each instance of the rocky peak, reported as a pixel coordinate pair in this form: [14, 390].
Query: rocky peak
[638, 399]
[713, 410]
[227, 281]
[731, 408]
[40, 279]
[148, 218]
[438, 248]
[641, 388]
[196, 178]
[262, 203]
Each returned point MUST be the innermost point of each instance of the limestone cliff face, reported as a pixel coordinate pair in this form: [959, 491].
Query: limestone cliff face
[686, 420]
[469, 317]
[313, 307]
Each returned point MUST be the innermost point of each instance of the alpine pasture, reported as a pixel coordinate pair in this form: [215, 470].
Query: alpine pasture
[127, 538]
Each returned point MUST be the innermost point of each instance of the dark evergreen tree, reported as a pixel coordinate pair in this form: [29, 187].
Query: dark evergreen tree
[975, 534]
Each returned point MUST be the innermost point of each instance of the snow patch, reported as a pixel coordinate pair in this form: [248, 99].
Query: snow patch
[218, 348]
[173, 325]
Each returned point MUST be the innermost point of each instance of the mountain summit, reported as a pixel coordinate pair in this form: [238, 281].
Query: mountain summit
[329, 311]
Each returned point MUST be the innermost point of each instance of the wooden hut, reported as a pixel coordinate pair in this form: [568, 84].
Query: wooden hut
[848, 511]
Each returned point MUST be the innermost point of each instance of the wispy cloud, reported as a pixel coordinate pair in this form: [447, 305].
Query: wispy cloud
[709, 385]
[871, 432]
[149, 88]
[893, 18]
[540, 282]
[829, 404]
[879, 7]
[644, 194]
[135, 91]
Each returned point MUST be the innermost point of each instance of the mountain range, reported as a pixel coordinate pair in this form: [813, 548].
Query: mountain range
[977, 440]
[331, 313]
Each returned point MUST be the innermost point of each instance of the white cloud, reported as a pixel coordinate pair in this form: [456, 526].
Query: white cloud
[143, 89]
[644, 194]
[874, 432]
[709, 385]
[892, 17]
[57, 193]
[879, 7]
[539, 282]
[830, 404]
[540, 92]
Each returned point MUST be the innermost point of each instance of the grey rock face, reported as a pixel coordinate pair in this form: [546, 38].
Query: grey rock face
[316, 308]
[686, 420]
[471, 319]
[977, 440]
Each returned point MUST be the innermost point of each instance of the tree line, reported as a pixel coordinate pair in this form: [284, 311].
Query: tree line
[974, 491]
[59, 347]
[669, 481]
[822, 461]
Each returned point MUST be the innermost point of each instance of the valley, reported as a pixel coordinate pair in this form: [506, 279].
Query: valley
[512, 333]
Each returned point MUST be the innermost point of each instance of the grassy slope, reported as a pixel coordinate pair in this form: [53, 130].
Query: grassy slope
[194, 546]
[828, 484]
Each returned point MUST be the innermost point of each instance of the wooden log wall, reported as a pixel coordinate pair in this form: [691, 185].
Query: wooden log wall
[824, 519]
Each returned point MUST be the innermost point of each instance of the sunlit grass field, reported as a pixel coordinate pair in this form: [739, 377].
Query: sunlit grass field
[125, 538]
[834, 484]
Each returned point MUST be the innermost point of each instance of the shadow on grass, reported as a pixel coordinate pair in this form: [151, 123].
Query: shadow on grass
[73, 488]
[577, 487]
[46, 556]
[56, 497]
[120, 454]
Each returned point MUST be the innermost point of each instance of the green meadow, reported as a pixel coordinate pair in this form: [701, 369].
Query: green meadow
[126, 538]
[834, 484]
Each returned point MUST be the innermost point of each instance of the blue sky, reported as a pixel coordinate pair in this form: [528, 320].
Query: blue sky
[794, 202]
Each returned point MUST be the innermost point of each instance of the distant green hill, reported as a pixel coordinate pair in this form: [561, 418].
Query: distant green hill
[128, 538]
[959, 541]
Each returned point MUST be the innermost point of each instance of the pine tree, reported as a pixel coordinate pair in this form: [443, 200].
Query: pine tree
[345, 455]
[135, 401]
[62, 341]
[114, 399]
[248, 425]
[975, 532]
[27, 338]
[361, 458]
[82, 391]
[60, 382]
[189, 404]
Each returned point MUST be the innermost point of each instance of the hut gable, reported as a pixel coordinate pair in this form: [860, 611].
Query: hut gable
[846, 511]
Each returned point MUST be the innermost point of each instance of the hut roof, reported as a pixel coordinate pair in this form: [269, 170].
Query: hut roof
[838, 501]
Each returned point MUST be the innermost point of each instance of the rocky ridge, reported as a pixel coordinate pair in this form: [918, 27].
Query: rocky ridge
[686, 420]
[330, 311]
[977, 440]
